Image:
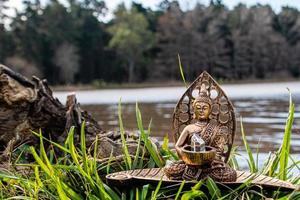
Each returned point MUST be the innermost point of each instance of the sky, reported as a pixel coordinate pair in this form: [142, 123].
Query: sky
[185, 4]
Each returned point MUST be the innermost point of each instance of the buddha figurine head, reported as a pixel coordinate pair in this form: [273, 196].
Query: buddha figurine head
[202, 105]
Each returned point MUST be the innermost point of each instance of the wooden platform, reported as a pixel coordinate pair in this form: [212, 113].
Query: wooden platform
[154, 175]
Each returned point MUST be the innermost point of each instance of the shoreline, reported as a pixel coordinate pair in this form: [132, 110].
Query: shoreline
[109, 86]
[172, 94]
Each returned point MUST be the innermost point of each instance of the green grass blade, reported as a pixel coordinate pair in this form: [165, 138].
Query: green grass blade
[166, 150]
[62, 195]
[123, 196]
[154, 194]
[109, 162]
[137, 196]
[285, 149]
[141, 161]
[198, 185]
[232, 161]
[37, 177]
[251, 161]
[41, 163]
[145, 192]
[74, 154]
[213, 189]
[274, 164]
[112, 193]
[44, 154]
[151, 148]
[7, 177]
[128, 160]
[19, 197]
[131, 194]
[137, 154]
[98, 185]
[257, 153]
[194, 194]
[179, 190]
[235, 192]
[95, 155]
[53, 143]
[181, 70]
[60, 186]
[83, 147]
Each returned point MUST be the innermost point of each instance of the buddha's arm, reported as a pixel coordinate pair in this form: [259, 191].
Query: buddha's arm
[181, 141]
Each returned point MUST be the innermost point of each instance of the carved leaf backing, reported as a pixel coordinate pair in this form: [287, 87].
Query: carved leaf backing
[222, 110]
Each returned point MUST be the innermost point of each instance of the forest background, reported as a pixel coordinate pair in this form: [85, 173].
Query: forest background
[69, 44]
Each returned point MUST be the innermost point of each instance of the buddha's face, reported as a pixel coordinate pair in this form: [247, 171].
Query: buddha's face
[201, 110]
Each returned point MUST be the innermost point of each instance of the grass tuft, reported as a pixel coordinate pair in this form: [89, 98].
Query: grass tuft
[75, 174]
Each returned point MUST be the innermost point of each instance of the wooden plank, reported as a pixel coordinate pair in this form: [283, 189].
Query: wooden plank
[154, 175]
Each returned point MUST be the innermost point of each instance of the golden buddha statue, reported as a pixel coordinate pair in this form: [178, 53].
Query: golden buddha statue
[210, 133]
[202, 108]
[203, 128]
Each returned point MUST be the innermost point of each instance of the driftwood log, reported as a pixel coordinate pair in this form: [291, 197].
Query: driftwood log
[29, 105]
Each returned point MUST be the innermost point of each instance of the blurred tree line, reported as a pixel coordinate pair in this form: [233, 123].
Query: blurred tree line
[70, 44]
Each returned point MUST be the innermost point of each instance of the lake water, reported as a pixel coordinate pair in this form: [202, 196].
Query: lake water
[263, 108]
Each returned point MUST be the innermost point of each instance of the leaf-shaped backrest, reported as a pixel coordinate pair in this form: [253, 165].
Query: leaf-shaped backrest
[222, 111]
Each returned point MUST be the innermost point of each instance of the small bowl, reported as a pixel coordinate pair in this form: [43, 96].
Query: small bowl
[198, 158]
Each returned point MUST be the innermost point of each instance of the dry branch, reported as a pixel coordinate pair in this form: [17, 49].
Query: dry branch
[29, 105]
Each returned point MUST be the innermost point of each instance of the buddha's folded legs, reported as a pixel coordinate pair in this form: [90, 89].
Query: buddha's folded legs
[174, 170]
[218, 171]
[223, 174]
